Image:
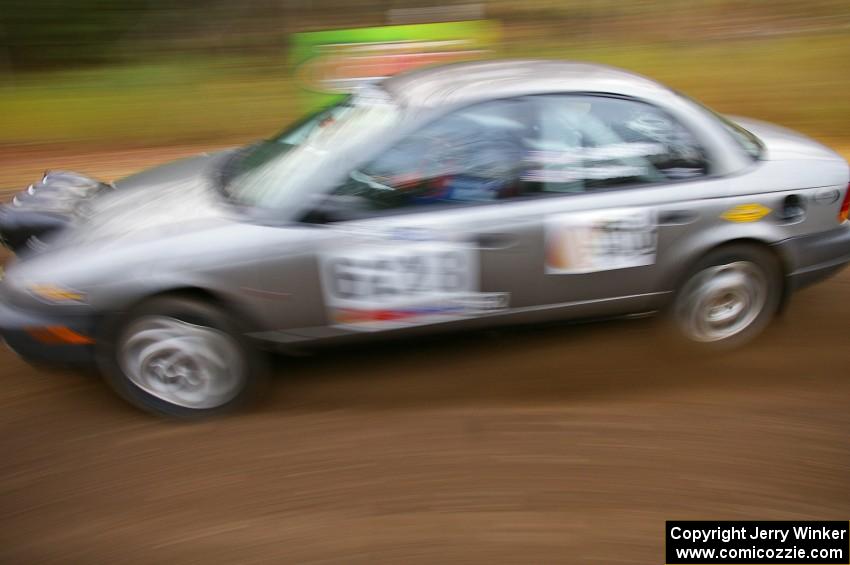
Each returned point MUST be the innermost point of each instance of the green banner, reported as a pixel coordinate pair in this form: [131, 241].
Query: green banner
[328, 64]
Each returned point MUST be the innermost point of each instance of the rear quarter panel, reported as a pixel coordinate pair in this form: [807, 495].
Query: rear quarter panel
[817, 185]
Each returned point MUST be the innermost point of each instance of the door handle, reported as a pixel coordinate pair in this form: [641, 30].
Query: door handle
[676, 217]
[495, 240]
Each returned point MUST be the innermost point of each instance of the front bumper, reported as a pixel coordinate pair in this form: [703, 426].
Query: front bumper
[41, 337]
[815, 257]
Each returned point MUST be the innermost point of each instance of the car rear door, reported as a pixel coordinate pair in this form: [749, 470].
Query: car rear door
[620, 180]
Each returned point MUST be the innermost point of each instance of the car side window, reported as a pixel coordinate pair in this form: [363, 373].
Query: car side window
[476, 154]
[582, 143]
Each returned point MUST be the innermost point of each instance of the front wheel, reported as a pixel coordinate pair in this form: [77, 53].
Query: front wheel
[182, 357]
[728, 298]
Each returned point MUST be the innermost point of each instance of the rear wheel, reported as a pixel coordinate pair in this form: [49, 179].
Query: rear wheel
[182, 357]
[728, 298]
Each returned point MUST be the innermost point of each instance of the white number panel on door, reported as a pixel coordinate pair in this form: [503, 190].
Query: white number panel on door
[381, 286]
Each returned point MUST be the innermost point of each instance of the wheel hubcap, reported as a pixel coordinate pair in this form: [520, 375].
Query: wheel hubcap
[722, 301]
[181, 363]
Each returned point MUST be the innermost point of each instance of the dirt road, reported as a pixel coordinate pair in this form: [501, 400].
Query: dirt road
[565, 444]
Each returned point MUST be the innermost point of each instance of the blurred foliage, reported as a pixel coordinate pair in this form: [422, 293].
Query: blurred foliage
[53, 33]
[135, 72]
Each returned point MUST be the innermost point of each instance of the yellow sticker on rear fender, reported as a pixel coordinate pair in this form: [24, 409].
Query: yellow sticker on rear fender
[745, 213]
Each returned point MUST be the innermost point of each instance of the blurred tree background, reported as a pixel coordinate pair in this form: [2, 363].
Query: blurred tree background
[158, 72]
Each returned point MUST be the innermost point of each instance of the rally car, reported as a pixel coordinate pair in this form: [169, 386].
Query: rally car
[455, 197]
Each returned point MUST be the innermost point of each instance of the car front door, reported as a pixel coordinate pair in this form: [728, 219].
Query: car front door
[444, 235]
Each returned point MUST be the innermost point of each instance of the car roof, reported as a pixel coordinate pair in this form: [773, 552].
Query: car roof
[468, 82]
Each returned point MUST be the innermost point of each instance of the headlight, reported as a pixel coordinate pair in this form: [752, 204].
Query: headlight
[55, 294]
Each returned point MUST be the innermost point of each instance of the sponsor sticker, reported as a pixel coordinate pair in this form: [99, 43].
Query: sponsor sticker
[587, 242]
[745, 213]
[377, 286]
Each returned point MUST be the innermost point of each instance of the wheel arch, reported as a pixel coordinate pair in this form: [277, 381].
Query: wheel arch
[781, 260]
[241, 316]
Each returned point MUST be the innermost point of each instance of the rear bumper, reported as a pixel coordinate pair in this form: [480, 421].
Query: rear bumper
[813, 258]
[28, 334]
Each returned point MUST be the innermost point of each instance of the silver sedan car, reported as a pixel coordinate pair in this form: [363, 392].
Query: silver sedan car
[456, 197]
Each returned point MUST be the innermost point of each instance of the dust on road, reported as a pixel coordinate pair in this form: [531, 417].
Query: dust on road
[567, 444]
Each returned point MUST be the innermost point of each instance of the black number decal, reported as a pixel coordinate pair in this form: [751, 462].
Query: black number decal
[389, 275]
[344, 280]
[382, 279]
[414, 274]
[451, 271]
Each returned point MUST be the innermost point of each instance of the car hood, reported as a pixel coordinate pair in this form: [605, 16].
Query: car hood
[785, 144]
[172, 198]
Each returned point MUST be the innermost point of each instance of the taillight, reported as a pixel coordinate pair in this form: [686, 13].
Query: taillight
[845, 206]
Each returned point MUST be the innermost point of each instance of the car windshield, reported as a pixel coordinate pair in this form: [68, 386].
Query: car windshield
[276, 172]
[746, 139]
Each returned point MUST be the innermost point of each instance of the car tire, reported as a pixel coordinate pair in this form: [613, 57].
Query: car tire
[727, 298]
[182, 357]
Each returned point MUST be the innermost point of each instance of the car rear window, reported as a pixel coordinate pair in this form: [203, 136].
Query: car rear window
[745, 139]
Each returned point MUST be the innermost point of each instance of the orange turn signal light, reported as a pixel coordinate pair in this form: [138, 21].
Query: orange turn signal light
[55, 335]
